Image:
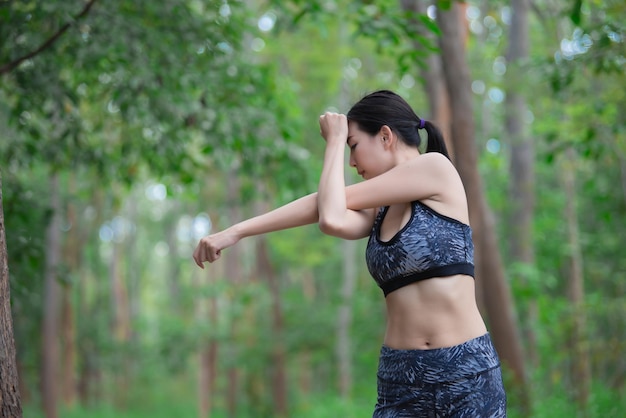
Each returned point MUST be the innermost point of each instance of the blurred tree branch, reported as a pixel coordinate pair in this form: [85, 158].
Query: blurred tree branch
[8, 67]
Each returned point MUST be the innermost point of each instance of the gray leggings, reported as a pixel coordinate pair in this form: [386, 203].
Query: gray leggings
[460, 381]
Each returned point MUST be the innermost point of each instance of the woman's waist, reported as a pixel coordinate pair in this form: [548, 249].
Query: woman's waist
[432, 336]
[436, 313]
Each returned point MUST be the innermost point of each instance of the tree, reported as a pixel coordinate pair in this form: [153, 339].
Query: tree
[10, 402]
[267, 272]
[490, 274]
[580, 364]
[522, 188]
[431, 72]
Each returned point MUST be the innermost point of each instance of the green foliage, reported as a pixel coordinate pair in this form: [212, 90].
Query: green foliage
[118, 93]
[594, 44]
[180, 94]
[397, 34]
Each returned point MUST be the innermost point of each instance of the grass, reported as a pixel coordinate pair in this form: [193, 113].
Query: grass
[177, 400]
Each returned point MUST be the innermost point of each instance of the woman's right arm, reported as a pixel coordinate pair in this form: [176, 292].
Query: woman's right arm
[300, 212]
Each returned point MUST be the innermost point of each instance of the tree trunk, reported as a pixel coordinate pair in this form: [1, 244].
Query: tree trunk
[344, 313]
[173, 277]
[68, 323]
[622, 165]
[344, 318]
[135, 268]
[50, 348]
[432, 76]
[208, 375]
[266, 270]
[522, 192]
[68, 354]
[489, 269]
[121, 322]
[580, 362]
[88, 350]
[10, 403]
[119, 295]
[206, 310]
[234, 275]
[120, 308]
[305, 369]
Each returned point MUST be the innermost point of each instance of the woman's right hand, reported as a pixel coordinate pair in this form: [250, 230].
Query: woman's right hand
[334, 127]
[210, 247]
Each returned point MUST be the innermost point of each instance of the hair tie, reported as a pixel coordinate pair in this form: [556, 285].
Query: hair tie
[422, 124]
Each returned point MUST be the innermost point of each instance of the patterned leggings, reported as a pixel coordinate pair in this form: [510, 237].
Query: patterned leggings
[460, 381]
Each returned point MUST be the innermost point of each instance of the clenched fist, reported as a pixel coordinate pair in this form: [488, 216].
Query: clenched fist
[210, 247]
[334, 127]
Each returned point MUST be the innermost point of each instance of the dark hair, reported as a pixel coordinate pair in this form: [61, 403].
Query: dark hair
[385, 107]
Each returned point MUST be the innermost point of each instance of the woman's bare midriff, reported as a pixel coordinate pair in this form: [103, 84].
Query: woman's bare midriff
[433, 313]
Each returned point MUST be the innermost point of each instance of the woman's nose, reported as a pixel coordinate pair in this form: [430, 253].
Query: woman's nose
[352, 162]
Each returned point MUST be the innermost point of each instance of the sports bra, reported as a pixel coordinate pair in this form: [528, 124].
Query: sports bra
[429, 245]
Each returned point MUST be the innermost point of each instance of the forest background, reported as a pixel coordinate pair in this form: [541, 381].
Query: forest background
[132, 128]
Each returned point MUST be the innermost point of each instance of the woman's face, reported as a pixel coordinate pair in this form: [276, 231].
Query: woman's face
[365, 151]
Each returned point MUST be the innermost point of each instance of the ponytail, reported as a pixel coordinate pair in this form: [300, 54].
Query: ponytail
[435, 142]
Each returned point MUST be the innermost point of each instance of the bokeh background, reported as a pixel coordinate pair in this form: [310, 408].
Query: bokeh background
[130, 129]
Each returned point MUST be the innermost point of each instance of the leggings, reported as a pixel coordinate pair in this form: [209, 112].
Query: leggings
[460, 381]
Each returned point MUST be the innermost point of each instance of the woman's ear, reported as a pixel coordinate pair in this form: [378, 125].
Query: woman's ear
[387, 136]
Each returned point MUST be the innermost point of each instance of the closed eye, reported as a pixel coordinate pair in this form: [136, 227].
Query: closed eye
[352, 147]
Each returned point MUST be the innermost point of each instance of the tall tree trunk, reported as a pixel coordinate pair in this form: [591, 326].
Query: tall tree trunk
[522, 192]
[87, 350]
[305, 370]
[234, 275]
[68, 354]
[489, 269]
[207, 374]
[173, 277]
[266, 271]
[134, 266]
[580, 362]
[206, 310]
[50, 348]
[622, 165]
[119, 295]
[344, 318]
[432, 76]
[121, 321]
[10, 402]
[68, 324]
[344, 313]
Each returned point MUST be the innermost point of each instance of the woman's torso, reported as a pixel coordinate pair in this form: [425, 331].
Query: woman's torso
[436, 311]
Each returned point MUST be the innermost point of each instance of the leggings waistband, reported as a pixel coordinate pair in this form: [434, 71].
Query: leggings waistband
[439, 364]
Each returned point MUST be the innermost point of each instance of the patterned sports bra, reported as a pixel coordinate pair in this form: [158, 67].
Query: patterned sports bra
[429, 245]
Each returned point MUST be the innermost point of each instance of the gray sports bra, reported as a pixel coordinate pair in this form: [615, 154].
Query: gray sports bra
[429, 245]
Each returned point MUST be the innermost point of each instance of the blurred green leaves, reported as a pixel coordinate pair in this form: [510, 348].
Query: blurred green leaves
[143, 84]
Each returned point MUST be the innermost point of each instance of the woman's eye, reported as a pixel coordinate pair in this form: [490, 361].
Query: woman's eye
[352, 147]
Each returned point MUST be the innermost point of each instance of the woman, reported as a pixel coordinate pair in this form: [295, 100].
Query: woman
[437, 359]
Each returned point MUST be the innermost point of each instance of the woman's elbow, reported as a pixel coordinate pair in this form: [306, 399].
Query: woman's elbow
[329, 227]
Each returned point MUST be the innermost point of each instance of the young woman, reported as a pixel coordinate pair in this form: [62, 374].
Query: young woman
[437, 359]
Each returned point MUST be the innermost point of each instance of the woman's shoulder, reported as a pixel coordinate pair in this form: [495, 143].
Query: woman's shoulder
[434, 163]
[434, 158]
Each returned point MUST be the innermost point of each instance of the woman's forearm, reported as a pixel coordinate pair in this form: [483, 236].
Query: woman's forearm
[331, 193]
[300, 212]
[297, 213]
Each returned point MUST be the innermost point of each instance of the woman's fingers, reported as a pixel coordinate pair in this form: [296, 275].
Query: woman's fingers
[202, 253]
[206, 250]
[197, 257]
[333, 124]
